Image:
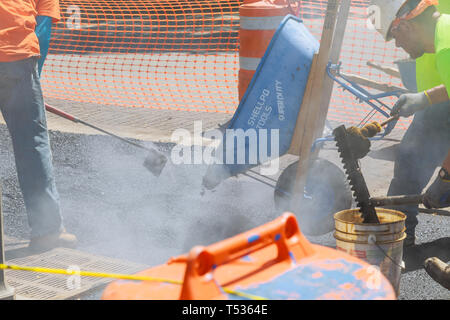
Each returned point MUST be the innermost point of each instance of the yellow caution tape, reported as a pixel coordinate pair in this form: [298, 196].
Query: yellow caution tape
[88, 273]
[118, 276]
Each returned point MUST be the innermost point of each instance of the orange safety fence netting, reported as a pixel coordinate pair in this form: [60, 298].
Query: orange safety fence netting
[183, 54]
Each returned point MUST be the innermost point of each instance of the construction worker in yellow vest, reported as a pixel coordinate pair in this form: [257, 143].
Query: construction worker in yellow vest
[418, 28]
[427, 76]
[423, 33]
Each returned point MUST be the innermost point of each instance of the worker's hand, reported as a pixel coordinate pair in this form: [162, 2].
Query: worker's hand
[438, 194]
[410, 103]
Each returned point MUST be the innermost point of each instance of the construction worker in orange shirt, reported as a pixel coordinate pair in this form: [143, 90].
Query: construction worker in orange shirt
[22, 106]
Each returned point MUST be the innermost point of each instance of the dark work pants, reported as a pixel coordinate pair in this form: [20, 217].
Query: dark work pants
[22, 106]
[422, 149]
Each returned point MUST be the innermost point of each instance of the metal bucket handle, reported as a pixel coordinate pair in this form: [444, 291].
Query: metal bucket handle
[372, 239]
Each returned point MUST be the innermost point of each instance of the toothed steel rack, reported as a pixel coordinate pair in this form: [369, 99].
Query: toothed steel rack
[354, 176]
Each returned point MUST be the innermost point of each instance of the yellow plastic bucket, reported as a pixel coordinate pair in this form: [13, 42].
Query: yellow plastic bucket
[380, 244]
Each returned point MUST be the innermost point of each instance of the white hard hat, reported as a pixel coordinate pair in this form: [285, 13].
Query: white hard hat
[383, 13]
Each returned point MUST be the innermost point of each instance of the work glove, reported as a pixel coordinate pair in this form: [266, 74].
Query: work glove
[410, 103]
[43, 32]
[438, 194]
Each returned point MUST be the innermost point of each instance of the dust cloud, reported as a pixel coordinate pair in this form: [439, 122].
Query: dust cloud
[117, 208]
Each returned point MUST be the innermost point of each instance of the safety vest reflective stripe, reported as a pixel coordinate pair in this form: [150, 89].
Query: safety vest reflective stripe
[249, 63]
[260, 23]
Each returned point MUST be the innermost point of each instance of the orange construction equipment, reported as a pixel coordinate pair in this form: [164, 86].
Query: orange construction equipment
[273, 261]
[259, 20]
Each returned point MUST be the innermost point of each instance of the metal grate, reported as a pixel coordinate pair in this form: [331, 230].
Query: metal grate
[42, 286]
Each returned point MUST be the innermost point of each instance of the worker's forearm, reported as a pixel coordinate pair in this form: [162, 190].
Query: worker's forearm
[446, 164]
[438, 94]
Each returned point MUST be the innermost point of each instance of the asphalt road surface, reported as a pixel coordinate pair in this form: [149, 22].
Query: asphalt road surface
[118, 209]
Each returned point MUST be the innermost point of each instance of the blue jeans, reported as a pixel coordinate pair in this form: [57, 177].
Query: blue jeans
[422, 149]
[22, 106]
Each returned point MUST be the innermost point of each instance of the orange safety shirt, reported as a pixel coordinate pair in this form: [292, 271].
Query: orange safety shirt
[49, 8]
[17, 23]
[18, 40]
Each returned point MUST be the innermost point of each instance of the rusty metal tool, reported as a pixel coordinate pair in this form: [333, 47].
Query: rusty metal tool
[371, 129]
[358, 137]
[354, 175]
[407, 200]
[358, 185]
[155, 160]
[389, 120]
[396, 200]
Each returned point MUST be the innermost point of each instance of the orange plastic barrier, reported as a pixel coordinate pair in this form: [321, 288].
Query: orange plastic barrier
[183, 54]
[273, 261]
